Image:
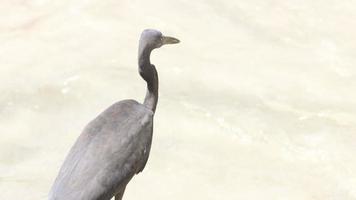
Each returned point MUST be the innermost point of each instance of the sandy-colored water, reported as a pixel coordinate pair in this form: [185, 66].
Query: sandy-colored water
[257, 102]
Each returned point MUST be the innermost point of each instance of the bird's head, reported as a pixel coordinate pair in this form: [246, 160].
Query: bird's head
[152, 39]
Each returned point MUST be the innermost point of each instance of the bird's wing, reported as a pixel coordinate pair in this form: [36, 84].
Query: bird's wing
[110, 150]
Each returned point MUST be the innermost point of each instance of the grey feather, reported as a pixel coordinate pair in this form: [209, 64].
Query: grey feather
[115, 145]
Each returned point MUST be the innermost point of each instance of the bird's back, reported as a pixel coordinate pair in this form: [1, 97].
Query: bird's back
[111, 149]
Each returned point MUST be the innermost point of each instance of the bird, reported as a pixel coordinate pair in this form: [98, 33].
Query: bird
[115, 145]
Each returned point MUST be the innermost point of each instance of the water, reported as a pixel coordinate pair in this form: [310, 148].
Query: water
[256, 102]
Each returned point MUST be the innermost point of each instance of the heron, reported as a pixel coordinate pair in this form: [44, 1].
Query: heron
[115, 145]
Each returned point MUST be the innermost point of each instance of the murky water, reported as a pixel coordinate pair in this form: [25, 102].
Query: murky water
[257, 102]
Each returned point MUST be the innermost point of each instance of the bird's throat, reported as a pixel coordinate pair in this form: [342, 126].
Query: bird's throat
[149, 73]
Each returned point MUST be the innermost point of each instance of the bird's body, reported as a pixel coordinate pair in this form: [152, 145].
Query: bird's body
[114, 146]
[108, 140]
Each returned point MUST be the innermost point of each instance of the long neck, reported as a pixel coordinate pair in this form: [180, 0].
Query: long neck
[149, 73]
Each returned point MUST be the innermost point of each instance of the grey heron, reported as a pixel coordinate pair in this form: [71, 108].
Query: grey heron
[115, 145]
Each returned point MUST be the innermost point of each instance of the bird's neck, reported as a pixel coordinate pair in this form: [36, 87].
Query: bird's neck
[149, 73]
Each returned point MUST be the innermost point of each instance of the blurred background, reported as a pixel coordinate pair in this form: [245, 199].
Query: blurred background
[257, 102]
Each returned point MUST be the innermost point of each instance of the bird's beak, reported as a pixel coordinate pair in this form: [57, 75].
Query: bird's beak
[169, 40]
